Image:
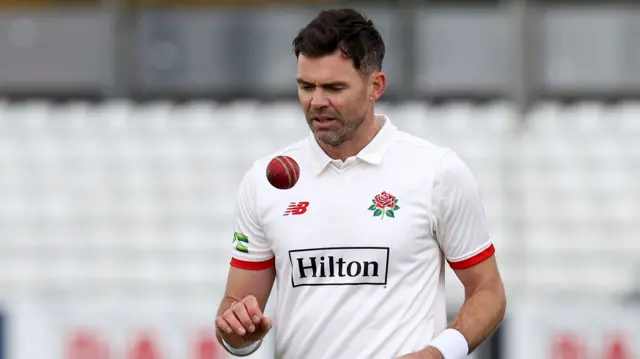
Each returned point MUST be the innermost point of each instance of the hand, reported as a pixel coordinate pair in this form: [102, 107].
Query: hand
[243, 323]
[426, 353]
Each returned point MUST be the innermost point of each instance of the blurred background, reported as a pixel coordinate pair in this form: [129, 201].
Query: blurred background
[126, 125]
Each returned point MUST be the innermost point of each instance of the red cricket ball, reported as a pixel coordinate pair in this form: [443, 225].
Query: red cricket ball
[283, 172]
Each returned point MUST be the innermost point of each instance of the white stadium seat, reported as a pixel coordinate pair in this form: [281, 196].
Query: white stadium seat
[124, 195]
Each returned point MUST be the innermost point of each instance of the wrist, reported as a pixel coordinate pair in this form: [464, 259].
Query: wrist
[450, 344]
[241, 351]
[432, 353]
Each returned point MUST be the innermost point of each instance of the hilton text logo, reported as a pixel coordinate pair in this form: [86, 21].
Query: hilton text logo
[339, 266]
[296, 208]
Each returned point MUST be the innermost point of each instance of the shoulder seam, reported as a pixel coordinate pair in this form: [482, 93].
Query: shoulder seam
[291, 147]
[436, 176]
[419, 142]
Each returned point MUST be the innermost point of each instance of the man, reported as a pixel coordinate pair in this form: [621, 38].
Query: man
[377, 214]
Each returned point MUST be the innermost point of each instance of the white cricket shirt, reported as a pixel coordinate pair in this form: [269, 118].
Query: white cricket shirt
[360, 246]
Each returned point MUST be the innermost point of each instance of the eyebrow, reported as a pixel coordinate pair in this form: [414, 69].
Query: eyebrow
[328, 84]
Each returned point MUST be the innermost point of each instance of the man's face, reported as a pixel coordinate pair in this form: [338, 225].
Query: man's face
[334, 97]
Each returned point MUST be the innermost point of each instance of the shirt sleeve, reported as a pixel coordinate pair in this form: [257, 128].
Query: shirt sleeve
[461, 224]
[251, 249]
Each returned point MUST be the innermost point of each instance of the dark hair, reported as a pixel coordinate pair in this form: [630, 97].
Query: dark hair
[344, 29]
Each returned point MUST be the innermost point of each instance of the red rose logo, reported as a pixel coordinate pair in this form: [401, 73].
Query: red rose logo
[384, 205]
[384, 200]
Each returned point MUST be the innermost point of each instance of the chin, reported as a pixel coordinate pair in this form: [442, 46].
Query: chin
[332, 141]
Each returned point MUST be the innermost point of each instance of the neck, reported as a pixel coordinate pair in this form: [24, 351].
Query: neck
[352, 147]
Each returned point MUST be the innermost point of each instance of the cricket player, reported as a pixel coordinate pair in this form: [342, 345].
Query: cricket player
[358, 247]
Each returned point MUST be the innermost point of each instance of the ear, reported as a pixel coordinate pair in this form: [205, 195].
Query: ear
[377, 85]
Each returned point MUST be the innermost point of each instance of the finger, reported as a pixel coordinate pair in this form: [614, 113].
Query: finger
[266, 324]
[223, 325]
[253, 308]
[234, 323]
[241, 312]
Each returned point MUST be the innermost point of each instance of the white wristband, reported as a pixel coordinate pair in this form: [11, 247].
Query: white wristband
[240, 351]
[452, 344]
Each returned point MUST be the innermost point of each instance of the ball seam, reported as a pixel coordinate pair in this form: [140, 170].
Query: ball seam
[290, 162]
[286, 170]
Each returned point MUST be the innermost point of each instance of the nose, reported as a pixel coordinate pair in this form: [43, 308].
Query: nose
[319, 99]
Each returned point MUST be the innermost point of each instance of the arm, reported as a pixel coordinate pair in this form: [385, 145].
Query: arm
[484, 304]
[244, 282]
[240, 321]
[483, 308]
[251, 288]
[462, 232]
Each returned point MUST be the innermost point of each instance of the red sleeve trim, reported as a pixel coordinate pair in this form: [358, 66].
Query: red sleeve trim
[253, 265]
[478, 258]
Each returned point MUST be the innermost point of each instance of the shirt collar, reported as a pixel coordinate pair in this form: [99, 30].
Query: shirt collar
[373, 153]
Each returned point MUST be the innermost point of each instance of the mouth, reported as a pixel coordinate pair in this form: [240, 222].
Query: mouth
[323, 123]
[323, 119]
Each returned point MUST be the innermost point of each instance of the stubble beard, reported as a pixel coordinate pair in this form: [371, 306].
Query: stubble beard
[345, 132]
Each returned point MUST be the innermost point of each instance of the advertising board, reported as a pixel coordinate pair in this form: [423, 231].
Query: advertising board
[572, 331]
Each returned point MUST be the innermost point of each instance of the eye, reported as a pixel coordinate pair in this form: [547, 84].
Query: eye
[334, 88]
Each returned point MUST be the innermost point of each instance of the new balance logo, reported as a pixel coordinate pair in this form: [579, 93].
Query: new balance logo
[296, 208]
